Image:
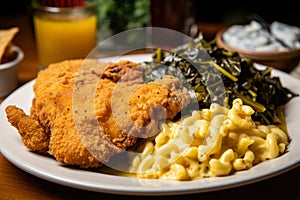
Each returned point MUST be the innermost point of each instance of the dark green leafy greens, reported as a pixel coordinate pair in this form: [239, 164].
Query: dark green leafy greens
[213, 74]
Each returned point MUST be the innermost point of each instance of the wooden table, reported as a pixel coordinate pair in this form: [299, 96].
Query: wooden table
[18, 184]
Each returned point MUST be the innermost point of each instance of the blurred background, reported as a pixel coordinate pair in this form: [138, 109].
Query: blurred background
[118, 15]
[114, 16]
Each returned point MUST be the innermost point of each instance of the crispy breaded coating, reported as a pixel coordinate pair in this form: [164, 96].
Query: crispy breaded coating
[85, 111]
[32, 134]
[52, 109]
[165, 92]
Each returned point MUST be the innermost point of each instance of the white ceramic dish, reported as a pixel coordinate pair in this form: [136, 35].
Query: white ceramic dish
[49, 169]
[9, 73]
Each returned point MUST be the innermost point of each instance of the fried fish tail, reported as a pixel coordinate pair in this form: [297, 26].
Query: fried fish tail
[33, 135]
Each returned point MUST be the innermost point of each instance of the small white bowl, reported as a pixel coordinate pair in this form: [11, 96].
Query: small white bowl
[9, 73]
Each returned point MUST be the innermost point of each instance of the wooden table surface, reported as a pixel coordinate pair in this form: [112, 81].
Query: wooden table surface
[18, 184]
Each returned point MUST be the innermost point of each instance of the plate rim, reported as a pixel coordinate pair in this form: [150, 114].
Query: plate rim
[133, 190]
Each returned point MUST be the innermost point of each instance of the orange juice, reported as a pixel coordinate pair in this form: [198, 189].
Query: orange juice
[61, 36]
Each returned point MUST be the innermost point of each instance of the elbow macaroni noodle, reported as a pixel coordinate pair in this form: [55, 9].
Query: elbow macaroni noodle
[212, 142]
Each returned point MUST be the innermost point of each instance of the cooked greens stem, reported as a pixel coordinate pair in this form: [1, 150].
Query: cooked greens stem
[257, 106]
[267, 71]
[228, 53]
[252, 93]
[226, 102]
[158, 53]
[223, 71]
[198, 45]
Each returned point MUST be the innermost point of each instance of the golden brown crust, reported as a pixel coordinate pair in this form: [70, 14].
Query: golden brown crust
[83, 116]
[32, 134]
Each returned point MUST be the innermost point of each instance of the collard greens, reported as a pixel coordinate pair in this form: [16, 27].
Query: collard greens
[213, 74]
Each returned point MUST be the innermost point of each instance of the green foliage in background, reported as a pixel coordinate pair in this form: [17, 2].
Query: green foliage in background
[116, 16]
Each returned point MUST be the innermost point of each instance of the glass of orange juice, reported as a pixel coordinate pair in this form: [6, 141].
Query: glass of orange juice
[64, 32]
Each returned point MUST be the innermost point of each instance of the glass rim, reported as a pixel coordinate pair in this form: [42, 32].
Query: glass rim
[38, 7]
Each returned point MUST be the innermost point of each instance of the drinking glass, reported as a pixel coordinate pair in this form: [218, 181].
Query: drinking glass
[64, 32]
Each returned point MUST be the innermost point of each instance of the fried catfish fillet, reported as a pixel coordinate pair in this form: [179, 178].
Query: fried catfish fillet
[84, 115]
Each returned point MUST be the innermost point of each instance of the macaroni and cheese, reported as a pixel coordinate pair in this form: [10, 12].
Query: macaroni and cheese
[211, 142]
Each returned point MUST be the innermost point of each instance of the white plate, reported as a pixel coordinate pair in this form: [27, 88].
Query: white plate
[48, 168]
